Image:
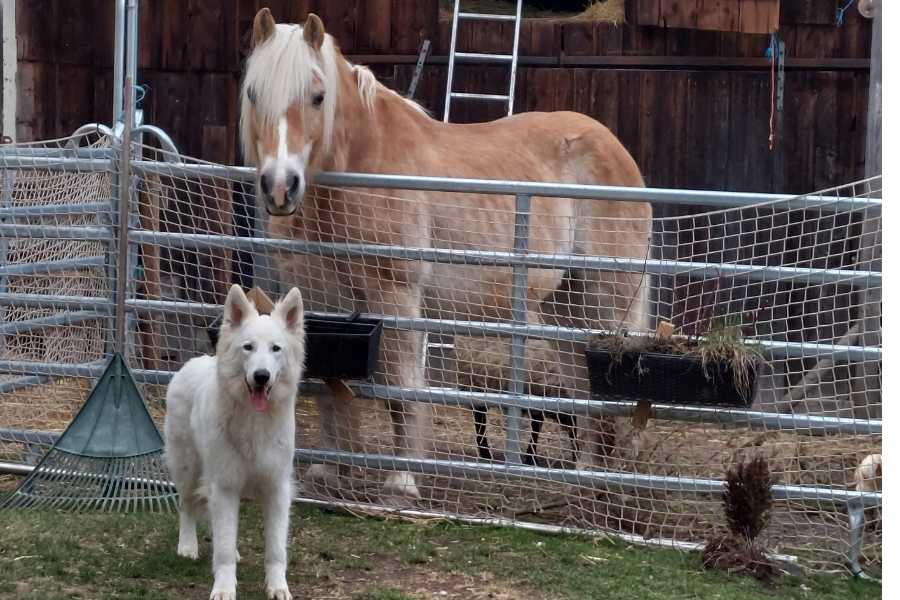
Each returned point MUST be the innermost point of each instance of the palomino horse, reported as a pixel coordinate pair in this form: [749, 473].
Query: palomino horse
[305, 109]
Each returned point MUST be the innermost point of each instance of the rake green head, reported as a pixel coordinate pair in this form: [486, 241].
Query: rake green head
[110, 458]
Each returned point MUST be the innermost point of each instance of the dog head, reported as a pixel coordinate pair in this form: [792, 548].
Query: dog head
[266, 352]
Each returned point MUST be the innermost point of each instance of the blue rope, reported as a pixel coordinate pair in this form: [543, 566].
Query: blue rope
[839, 19]
[140, 92]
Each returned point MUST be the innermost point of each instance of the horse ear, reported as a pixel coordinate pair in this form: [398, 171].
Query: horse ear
[263, 27]
[237, 307]
[314, 31]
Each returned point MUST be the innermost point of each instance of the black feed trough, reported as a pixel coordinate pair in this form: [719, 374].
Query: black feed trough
[343, 347]
[666, 379]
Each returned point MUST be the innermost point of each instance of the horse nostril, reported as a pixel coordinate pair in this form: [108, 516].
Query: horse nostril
[265, 184]
[293, 183]
[261, 377]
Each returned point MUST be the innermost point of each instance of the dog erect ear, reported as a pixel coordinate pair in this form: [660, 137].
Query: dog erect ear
[237, 307]
[263, 27]
[314, 31]
[290, 310]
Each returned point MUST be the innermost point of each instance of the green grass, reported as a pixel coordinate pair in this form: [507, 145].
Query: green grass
[51, 555]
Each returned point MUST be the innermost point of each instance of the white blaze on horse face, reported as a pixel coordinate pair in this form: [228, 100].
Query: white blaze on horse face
[283, 176]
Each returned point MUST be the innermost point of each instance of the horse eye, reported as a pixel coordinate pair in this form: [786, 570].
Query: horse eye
[276, 348]
[251, 95]
[248, 346]
[318, 99]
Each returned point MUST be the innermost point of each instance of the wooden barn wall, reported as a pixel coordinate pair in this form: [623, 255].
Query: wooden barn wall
[692, 106]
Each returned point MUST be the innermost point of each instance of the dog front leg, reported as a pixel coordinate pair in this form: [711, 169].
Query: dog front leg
[223, 513]
[277, 510]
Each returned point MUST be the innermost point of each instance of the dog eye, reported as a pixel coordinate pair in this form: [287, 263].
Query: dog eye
[318, 99]
[276, 348]
[248, 346]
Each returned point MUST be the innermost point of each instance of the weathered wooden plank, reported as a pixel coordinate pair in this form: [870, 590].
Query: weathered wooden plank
[340, 19]
[373, 30]
[608, 39]
[759, 16]
[721, 15]
[78, 83]
[412, 22]
[206, 28]
[827, 136]
[37, 30]
[578, 39]
[678, 13]
[648, 12]
[808, 12]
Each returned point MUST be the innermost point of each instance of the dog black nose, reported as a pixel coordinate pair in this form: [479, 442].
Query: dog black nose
[261, 377]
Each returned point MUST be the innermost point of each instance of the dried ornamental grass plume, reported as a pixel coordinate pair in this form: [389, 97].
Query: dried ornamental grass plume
[748, 498]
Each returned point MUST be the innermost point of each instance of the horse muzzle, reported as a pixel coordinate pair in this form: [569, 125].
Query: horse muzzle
[281, 197]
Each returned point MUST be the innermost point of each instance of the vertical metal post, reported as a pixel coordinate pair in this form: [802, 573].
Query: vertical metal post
[856, 515]
[122, 220]
[515, 60]
[520, 317]
[131, 41]
[450, 61]
[118, 64]
[5, 201]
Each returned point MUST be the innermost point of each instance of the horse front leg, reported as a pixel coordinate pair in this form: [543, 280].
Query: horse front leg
[402, 366]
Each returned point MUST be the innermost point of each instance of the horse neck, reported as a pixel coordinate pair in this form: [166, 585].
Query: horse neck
[360, 134]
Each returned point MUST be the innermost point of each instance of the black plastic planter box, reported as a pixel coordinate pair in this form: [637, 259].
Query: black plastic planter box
[336, 347]
[666, 379]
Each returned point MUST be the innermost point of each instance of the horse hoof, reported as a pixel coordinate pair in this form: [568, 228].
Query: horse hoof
[400, 490]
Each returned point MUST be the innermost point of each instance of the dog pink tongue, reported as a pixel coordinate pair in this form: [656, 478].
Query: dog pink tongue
[260, 399]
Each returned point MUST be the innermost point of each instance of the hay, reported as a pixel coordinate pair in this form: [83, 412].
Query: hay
[604, 11]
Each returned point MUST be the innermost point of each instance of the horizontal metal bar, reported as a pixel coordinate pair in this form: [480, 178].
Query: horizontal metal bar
[66, 318]
[775, 348]
[24, 162]
[55, 232]
[11, 385]
[564, 190]
[468, 16]
[52, 266]
[802, 424]
[28, 152]
[54, 301]
[808, 424]
[27, 367]
[483, 57]
[511, 259]
[55, 210]
[581, 477]
[470, 96]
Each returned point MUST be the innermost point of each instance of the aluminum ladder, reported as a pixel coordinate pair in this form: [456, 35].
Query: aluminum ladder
[510, 59]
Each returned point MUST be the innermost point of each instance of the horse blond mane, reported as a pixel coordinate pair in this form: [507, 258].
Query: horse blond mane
[284, 67]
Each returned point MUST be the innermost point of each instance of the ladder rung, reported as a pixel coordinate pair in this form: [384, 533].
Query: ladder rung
[499, 97]
[474, 56]
[486, 17]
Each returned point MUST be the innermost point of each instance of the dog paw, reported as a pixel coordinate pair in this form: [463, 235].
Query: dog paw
[279, 593]
[217, 594]
[188, 551]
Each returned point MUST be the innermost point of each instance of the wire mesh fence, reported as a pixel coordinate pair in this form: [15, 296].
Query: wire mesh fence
[482, 397]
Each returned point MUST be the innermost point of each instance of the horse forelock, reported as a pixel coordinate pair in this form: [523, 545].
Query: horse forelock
[278, 72]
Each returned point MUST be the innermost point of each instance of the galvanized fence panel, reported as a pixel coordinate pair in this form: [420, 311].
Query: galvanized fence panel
[495, 330]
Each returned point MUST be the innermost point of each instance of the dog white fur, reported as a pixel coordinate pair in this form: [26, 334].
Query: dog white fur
[230, 433]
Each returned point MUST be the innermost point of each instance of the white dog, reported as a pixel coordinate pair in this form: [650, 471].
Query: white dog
[230, 432]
